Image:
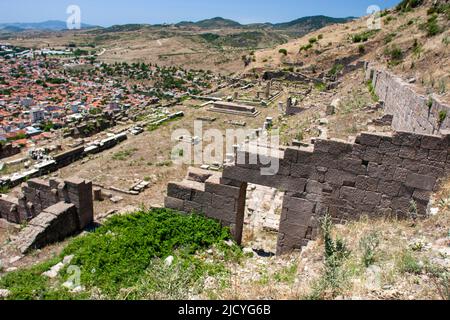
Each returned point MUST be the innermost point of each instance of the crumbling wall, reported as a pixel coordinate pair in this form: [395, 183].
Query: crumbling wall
[37, 195]
[412, 112]
[8, 150]
[378, 175]
[54, 224]
[205, 192]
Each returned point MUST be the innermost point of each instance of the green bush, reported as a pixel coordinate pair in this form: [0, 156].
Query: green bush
[283, 51]
[442, 116]
[395, 54]
[306, 47]
[361, 49]
[117, 254]
[408, 5]
[335, 70]
[390, 37]
[432, 26]
[124, 258]
[363, 36]
[312, 40]
[409, 264]
[368, 245]
[335, 254]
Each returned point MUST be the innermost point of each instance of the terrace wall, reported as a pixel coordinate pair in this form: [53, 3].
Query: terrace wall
[412, 112]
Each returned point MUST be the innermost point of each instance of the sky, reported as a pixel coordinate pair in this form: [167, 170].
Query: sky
[110, 12]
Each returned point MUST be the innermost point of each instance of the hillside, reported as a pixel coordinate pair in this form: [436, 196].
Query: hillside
[216, 44]
[412, 43]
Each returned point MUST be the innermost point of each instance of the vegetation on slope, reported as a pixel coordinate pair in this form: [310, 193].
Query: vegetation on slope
[125, 258]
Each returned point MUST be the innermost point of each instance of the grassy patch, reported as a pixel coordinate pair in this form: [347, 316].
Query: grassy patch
[124, 154]
[333, 278]
[372, 91]
[363, 36]
[125, 259]
[30, 284]
[407, 263]
[335, 70]
[395, 55]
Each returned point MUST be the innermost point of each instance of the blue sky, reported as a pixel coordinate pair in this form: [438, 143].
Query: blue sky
[109, 12]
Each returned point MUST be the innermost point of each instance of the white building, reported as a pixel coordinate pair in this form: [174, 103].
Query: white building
[37, 115]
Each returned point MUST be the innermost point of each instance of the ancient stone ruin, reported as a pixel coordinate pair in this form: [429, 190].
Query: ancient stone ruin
[52, 210]
[411, 111]
[234, 108]
[377, 175]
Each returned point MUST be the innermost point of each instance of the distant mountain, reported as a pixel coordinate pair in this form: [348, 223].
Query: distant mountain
[302, 25]
[311, 23]
[51, 25]
[214, 23]
[299, 26]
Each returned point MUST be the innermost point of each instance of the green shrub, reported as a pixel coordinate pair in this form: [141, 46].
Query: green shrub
[372, 92]
[430, 103]
[30, 284]
[320, 86]
[363, 36]
[442, 116]
[368, 245]
[335, 254]
[283, 51]
[432, 26]
[408, 5]
[390, 37]
[117, 254]
[409, 264]
[127, 254]
[124, 154]
[361, 49]
[395, 54]
[335, 70]
[312, 40]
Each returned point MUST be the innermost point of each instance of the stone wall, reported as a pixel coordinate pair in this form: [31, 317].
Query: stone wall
[54, 224]
[378, 175]
[37, 195]
[8, 150]
[412, 112]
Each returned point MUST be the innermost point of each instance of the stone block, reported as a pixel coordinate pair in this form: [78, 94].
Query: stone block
[372, 198]
[368, 139]
[338, 177]
[174, 203]
[179, 191]
[352, 195]
[366, 183]
[391, 188]
[422, 182]
[433, 143]
[301, 170]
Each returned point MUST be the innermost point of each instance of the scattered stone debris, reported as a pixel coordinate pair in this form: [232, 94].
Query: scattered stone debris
[236, 123]
[140, 186]
[4, 293]
[116, 199]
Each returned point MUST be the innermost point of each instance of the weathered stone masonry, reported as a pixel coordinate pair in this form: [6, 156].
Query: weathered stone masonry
[378, 175]
[410, 110]
[52, 209]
